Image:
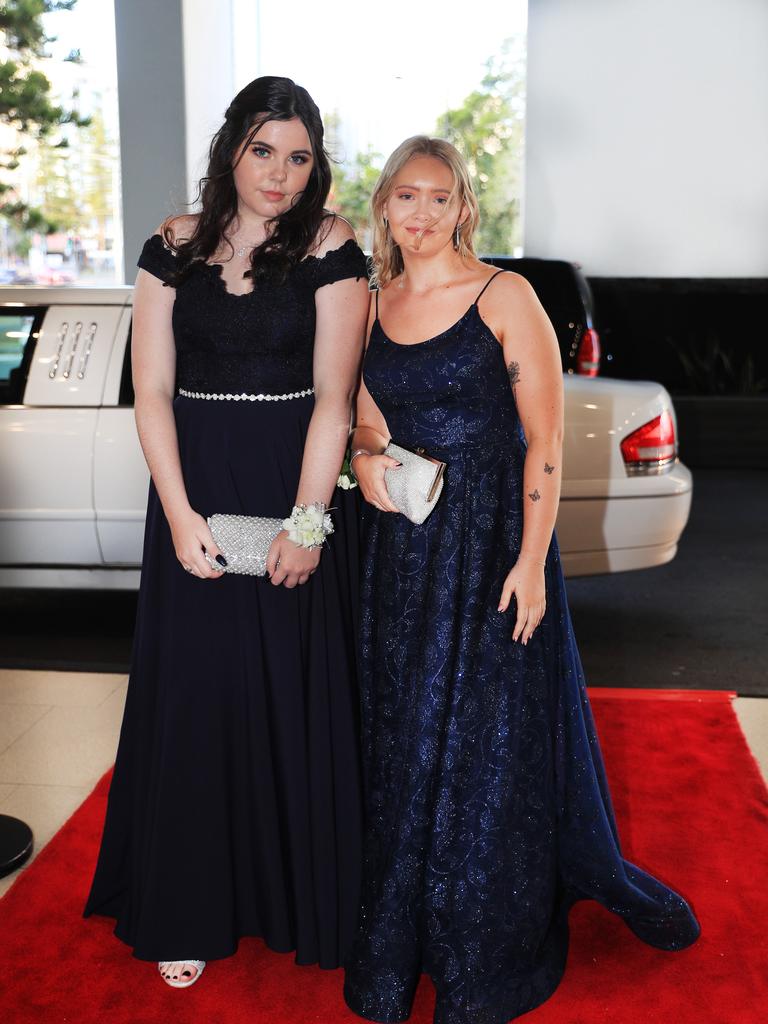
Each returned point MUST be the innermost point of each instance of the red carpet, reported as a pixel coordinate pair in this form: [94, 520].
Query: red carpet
[691, 807]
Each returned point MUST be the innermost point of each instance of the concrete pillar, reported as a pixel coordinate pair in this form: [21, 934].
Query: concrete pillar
[150, 79]
[176, 66]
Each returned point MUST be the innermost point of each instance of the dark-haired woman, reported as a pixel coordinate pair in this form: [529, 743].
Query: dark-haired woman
[234, 807]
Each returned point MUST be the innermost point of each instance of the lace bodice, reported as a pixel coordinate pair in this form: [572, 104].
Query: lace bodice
[259, 342]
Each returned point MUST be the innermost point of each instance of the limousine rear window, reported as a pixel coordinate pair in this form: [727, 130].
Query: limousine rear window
[14, 335]
[17, 330]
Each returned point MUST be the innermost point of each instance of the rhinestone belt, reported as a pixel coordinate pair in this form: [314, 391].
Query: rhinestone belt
[246, 398]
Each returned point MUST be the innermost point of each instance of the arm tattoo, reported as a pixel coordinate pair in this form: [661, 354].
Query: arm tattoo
[534, 495]
[514, 373]
[548, 468]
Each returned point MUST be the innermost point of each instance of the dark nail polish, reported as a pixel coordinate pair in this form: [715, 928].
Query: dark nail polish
[221, 559]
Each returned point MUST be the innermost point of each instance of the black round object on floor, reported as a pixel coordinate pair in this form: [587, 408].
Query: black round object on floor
[15, 843]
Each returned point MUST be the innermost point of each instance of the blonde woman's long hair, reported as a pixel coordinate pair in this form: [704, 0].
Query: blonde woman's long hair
[387, 258]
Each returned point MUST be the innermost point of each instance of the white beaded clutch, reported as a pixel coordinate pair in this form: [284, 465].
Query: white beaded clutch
[417, 484]
[244, 541]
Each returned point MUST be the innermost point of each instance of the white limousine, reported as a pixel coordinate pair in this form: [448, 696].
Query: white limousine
[73, 482]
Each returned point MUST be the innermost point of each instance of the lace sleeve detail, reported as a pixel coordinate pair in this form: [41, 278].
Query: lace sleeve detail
[339, 264]
[157, 259]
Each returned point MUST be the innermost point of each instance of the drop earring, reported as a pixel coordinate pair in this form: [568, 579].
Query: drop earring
[457, 237]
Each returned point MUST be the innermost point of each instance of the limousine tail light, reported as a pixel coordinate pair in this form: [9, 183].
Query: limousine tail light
[651, 448]
[588, 356]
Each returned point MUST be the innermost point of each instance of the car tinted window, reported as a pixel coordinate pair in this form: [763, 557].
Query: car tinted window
[557, 285]
[554, 282]
[18, 331]
[126, 378]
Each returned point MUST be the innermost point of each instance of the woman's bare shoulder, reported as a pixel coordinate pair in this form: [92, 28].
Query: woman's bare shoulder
[334, 231]
[510, 291]
[510, 284]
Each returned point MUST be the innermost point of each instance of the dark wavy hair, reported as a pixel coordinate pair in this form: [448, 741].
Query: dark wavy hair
[294, 232]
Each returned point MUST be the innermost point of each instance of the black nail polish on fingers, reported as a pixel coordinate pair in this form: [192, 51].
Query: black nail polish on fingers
[221, 559]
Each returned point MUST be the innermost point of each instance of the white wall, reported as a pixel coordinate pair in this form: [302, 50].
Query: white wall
[647, 136]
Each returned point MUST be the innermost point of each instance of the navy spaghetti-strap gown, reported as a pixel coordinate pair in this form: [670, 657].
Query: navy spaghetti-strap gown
[487, 810]
[235, 807]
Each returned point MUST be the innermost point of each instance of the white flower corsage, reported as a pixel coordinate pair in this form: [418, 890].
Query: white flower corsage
[347, 479]
[308, 525]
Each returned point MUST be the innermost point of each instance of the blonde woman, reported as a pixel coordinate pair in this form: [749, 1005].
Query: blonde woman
[488, 813]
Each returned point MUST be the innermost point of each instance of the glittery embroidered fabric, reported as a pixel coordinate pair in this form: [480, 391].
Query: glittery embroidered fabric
[488, 812]
[260, 341]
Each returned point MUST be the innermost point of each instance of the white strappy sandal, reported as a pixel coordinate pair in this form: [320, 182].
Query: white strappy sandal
[179, 981]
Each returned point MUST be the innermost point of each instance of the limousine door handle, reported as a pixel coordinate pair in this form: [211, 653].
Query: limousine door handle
[71, 356]
[60, 339]
[87, 352]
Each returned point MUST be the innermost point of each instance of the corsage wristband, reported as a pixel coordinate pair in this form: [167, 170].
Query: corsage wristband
[308, 525]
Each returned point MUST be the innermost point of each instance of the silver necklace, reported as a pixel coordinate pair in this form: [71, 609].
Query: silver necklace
[243, 250]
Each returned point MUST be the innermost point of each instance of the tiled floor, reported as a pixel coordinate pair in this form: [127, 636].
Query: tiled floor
[58, 735]
[59, 730]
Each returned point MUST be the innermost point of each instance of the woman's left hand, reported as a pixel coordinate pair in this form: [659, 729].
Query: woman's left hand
[526, 582]
[290, 564]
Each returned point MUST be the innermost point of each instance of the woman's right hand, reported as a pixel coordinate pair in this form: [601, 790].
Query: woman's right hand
[191, 535]
[369, 471]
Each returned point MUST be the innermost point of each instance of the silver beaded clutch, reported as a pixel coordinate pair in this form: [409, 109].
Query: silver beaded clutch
[244, 541]
[417, 484]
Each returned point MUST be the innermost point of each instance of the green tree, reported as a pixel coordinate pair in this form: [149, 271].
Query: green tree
[100, 157]
[488, 130]
[59, 198]
[352, 189]
[353, 180]
[25, 102]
